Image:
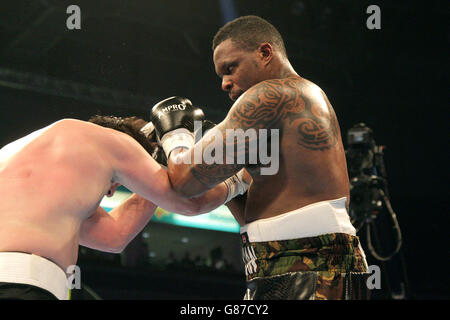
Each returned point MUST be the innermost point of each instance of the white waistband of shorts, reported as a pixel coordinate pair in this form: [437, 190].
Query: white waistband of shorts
[25, 268]
[312, 220]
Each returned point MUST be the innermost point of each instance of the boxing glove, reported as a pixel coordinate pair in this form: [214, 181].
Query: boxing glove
[174, 119]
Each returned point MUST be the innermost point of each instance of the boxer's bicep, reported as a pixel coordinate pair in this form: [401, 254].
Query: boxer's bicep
[99, 232]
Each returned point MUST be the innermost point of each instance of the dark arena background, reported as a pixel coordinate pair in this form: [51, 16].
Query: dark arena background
[128, 55]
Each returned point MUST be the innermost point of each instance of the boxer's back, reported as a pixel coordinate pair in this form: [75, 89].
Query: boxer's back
[312, 165]
[50, 181]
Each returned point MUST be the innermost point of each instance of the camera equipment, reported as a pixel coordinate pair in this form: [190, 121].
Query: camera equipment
[368, 185]
[370, 207]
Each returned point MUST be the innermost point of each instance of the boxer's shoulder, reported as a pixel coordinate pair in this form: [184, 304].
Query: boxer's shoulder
[264, 104]
[69, 123]
[287, 94]
[79, 130]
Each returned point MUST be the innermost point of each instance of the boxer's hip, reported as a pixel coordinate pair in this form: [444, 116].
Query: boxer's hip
[29, 269]
[314, 248]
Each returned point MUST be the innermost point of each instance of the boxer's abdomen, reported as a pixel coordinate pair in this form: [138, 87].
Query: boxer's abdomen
[59, 245]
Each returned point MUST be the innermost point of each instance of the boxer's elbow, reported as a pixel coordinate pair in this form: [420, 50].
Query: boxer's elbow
[118, 239]
[116, 250]
[122, 240]
[116, 246]
[119, 249]
[110, 246]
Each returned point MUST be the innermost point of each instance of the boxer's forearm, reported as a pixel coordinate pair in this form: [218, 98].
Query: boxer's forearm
[190, 177]
[111, 232]
[131, 217]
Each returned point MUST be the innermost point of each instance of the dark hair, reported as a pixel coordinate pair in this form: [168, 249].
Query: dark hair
[132, 126]
[248, 32]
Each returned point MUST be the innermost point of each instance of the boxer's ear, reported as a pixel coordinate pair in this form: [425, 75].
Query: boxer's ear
[265, 52]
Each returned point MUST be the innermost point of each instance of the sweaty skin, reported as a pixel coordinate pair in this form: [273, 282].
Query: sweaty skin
[52, 182]
[269, 94]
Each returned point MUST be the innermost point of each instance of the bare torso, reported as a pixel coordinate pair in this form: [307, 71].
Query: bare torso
[50, 182]
[312, 165]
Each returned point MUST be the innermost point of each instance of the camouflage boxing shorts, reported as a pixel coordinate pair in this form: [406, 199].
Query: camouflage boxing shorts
[329, 266]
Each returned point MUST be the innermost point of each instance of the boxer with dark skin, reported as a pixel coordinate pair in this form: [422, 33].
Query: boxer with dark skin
[298, 241]
[269, 94]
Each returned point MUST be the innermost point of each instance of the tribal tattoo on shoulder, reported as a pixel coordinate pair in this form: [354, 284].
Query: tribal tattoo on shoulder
[268, 105]
[272, 102]
[317, 125]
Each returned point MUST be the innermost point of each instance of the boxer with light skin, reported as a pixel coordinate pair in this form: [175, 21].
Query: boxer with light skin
[301, 206]
[52, 182]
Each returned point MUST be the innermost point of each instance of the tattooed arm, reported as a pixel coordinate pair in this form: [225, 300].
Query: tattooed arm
[260, 107]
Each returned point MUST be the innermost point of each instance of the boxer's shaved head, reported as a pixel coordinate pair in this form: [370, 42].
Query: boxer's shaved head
[248, 32]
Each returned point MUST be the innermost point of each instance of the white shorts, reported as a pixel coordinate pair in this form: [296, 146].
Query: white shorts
[313, 220]
[25, 268]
